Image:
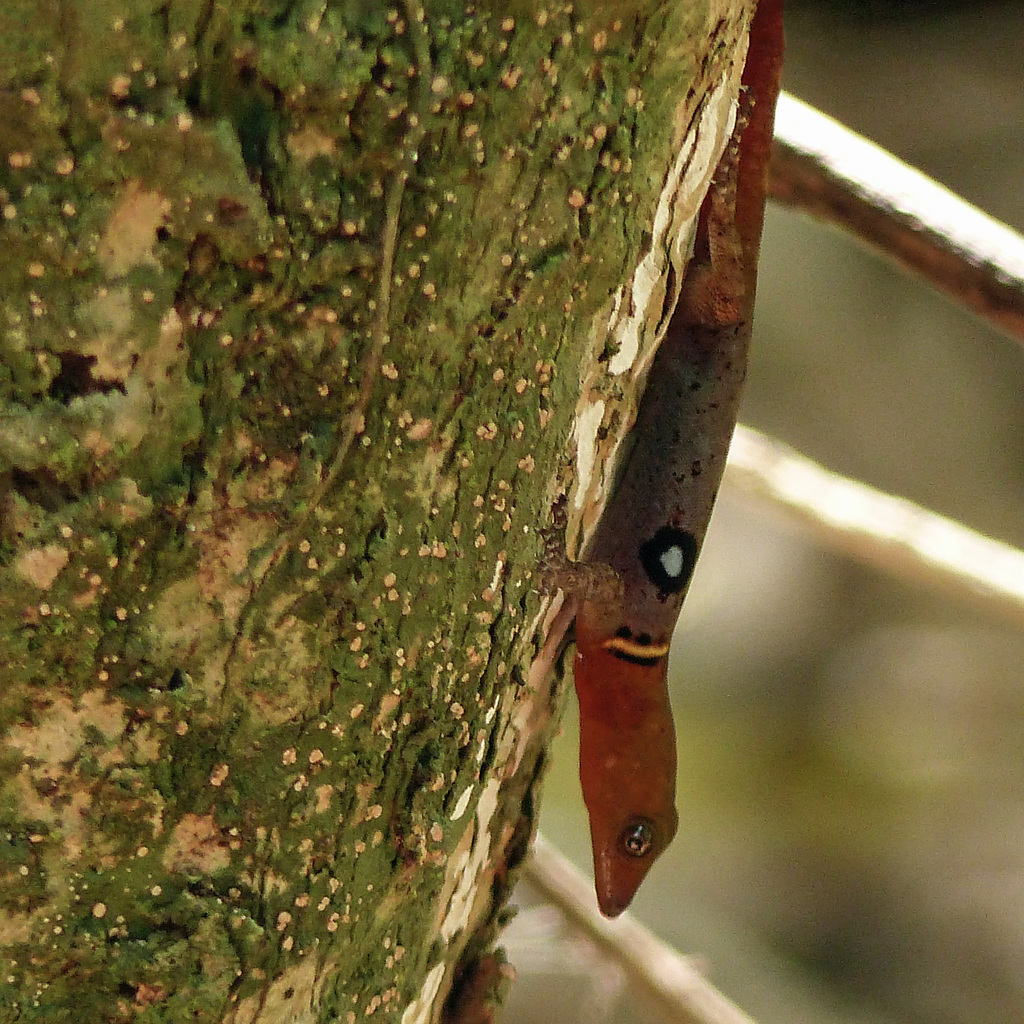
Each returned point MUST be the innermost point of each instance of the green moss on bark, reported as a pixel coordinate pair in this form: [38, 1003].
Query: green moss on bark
[283, 290]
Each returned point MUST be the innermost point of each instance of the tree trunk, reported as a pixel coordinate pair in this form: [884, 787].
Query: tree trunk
[312, 311]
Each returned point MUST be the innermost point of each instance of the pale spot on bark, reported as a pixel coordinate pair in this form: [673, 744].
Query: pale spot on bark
[41, 566]
[131, 231]
[196, 845]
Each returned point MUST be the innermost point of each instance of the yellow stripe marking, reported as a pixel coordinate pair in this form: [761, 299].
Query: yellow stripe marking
[634, 650]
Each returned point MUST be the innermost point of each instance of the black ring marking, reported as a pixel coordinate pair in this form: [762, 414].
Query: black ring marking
[653, 554]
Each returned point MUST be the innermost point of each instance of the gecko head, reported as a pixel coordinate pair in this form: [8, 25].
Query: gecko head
[627, 757]
[622, 860]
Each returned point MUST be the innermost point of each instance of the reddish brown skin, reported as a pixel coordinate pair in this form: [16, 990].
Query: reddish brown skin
[627, 763]
[477, 994]
[667, 489]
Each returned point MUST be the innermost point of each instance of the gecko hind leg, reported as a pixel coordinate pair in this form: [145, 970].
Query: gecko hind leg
[714, 289]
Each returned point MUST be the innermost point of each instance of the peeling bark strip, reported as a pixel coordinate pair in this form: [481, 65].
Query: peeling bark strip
[284, 288]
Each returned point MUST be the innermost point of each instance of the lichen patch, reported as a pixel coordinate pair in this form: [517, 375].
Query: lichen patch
[196, 845]
[130, 234]
[41, 566]
[59, 732]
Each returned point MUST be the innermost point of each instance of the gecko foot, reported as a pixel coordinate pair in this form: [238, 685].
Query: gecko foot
[587, 580]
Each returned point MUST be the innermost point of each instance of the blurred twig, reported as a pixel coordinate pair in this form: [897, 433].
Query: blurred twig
[885, 532]
[833, 173]
[664, 977]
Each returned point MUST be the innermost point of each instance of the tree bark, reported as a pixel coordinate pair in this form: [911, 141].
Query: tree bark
[311, 311]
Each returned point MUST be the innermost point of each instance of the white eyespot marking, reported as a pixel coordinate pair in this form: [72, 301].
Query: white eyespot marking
[668, 558]
[672, 561]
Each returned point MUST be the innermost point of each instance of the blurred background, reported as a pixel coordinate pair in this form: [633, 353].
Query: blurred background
[851, 777]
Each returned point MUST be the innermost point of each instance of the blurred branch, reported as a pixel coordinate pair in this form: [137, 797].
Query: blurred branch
[820, 166]
[881, 530]
[665, 978]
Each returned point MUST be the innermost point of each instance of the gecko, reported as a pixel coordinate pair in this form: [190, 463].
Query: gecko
[628, 588]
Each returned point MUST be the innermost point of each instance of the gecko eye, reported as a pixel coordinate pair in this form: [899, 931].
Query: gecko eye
[637, 838]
